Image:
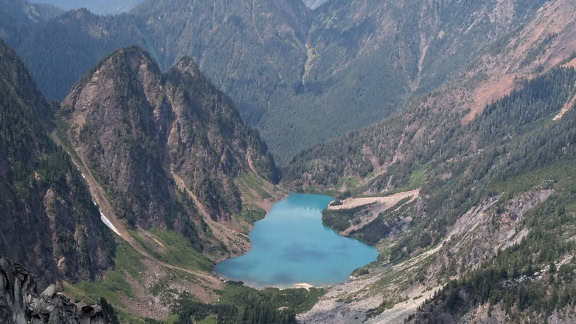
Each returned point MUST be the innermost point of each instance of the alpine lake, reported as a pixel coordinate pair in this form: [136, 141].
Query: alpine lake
[291, 248]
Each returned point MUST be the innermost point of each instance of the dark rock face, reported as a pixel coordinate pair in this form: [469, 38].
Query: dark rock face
[20, 302]
[153, 140]
[47, 219]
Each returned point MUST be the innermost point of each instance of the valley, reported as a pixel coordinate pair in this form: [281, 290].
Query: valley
[336, 161]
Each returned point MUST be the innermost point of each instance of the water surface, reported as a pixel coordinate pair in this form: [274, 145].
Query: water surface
[291, 246]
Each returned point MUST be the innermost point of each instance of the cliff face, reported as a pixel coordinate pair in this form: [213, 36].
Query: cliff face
[21, 303]
[48, 221]
[165, 147]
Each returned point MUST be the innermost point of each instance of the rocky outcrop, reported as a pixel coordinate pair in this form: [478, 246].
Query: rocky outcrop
[166, 148]
[21, 303]
[47, 219]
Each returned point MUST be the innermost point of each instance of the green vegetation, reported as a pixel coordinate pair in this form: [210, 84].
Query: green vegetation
[172, 248]
[115, 285]
[359, 74]
[511, 148]
[253, 186]
[254, 190]
[241, 304]
[349, 183]
[523, 279]
[387, 221]
[341, 219]
[417, 178]
[212, 152]
[45, 202]
[252, 214]
[118, 282]
[109, 313]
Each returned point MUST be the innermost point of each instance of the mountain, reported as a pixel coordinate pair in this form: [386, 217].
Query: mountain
[301, 77]
[459, 219]
[25, 12]
[166, 148]
[246, 49]
[378, 150]
[365, 60]
[18, 15]
[467, 193]
[49, 222]
[465, 188]
[102, 7]
[160, 161]
[71, 45]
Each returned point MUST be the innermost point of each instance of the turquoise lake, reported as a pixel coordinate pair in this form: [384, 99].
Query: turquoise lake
[291, 246]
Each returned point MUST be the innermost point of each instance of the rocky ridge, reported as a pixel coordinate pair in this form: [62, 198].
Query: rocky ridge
[20, 301]
[48, 221]
[165, 148]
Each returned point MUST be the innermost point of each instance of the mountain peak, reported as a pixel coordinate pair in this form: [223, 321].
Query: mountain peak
[143, 132]
[132, 57]
[188, 66]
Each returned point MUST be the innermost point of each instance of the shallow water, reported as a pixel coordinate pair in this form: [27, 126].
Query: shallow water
[291, 246]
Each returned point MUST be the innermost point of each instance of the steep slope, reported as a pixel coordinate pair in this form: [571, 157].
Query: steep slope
[366, 58]
[405, 142]
[18, 15]
[165, 148]
[495, 209]
[20, 302]
[72, 44]
[302, 77]
[48, 221]
[247, 48]
[489, 154]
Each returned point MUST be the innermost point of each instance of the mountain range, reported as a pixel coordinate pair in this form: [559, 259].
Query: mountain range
[133, 160]
[443, 129]
[300, 76]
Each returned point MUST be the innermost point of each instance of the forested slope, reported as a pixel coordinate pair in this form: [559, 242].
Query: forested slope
[166, 148]
[302, 77]
[48, 221]
[487, 159]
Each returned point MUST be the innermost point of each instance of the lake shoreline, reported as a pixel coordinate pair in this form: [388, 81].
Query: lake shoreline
[301, 285]
[291, 248]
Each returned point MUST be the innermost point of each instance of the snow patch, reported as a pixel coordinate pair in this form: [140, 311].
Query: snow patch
[109, 224]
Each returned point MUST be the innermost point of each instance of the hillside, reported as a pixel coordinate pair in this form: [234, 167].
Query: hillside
[302, 77]
[406, 141]
[17, 16]
[146, 174]
[71, 45]
[160, 161]
[489, 157]
[165, 148]
[493, 213]
[48, 220]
